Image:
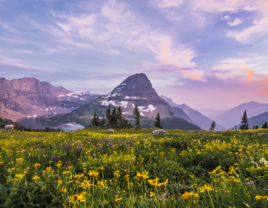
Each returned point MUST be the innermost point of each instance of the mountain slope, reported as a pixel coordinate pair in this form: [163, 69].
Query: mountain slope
[194, 116]
[233, 116]
[30, 97]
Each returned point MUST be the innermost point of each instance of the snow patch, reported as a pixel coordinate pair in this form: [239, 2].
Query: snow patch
[141, 113]
[114, 94]
[61, 95]
[124, 103]
[124, 113]
[147, 108]
[82, 98]
[34, 116]
[133, 105]
[128, 97]
[54, 112]
[105, 102]
[123, 83]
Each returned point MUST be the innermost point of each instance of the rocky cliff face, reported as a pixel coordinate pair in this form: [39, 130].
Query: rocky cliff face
[30, 97]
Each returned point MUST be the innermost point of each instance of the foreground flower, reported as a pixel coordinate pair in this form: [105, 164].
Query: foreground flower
[118, 199]
[76, 199]
[155, 183]
[152, 194]
[189, 194]
[143, 175]
[35, 178]
[93, 173]
[261, 197]
[205, 188]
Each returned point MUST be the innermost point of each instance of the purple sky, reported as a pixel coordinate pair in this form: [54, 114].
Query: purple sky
[205, 53]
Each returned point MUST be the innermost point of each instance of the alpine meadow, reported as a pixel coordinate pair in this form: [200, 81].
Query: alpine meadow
[134, 168]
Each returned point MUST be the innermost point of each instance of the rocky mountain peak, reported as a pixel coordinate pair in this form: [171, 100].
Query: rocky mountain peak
[137, 90]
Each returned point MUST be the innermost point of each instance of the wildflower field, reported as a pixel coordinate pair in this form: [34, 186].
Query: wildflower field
[134, 168]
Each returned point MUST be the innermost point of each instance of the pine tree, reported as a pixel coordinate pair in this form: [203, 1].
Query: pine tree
[113, 118]
[157, 124]
[130, 125]
[244, 121]
[213, 125]
[137, 118]
[103, 121]
[97, 120]
[94, 119]
[257, 127]
[265, 125]
[119, 117]
[108, 116]
[253, 127]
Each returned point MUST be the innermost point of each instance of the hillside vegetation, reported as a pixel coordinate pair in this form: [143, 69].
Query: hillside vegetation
[134, 168]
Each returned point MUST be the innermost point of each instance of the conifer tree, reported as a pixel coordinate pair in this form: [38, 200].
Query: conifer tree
[253, 127]
[244, 121]
[257, 127]
[137, 118]
[103, 121]
[108, 116]
[113, 118]
[213, 125]
[157, 124]
[94, 119]
[97, 120]
[119, 117]
[265, 125]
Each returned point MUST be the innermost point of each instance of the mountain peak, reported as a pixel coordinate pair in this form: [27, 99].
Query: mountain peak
[137, 90]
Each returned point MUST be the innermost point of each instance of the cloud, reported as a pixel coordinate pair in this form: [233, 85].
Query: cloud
[167, 3]
[19, 63]
[235, 22]
[259, 29]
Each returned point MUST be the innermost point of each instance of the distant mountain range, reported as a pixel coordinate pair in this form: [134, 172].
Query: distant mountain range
[135, 90]
[28, 97]
[192, 116]
[233, 116]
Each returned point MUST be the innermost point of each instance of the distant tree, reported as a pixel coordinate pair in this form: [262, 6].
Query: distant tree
[254, 127]
[157, 124]
[265, 125]
[136, 113]
[108, 116]
[244, 121]
[257, 127]
[213, 125]
[119, 117]
[130, 125]
[235, 127]
[103, 121]
[94, 120]
[113, 118]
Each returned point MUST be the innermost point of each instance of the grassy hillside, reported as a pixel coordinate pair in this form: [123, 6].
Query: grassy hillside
[4, 122]
[134, 168]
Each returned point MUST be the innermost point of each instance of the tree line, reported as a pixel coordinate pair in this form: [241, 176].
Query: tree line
[244, 124]
[115, 119]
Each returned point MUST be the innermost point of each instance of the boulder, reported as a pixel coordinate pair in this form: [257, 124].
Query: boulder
[160, 131]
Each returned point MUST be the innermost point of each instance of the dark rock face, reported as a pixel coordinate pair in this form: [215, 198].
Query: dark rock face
[137, 90]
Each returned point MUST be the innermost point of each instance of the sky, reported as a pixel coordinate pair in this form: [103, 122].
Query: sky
[208, 54]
